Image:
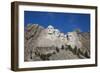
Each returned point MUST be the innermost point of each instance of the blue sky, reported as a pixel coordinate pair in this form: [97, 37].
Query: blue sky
[65, 22]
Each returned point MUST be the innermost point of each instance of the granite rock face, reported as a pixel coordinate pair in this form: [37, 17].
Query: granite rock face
[84, 37]
[31, 34]
[50, 44]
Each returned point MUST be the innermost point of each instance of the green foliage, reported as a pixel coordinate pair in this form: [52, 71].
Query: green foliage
[69, 47]
[75, 50]
[57, 49]
[86, 54]
[80, 52]
[62, 47]
[77, 30]
[28, 25]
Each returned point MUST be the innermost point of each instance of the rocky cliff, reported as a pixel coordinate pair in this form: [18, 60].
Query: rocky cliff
[50, 44]
[31, 34]
[84, 37]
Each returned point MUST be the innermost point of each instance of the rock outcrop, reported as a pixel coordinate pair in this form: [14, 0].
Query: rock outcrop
[31, 34]
[50, 44]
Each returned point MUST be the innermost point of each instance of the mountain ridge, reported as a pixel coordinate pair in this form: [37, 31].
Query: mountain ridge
[38, 36]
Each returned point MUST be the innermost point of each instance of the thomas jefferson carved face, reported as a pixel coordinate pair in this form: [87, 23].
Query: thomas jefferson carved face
[57, 32]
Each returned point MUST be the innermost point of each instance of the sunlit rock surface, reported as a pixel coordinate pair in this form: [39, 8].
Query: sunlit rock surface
[50, 44]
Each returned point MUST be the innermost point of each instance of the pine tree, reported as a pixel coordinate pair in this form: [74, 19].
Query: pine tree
[69, 47]
[62, 47]
[75, 50]
[77, 30]
[57, 49]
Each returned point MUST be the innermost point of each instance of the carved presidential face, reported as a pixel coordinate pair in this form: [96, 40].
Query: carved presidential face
[56, 32]
[50, 29]
[70, 36]
[62, 36]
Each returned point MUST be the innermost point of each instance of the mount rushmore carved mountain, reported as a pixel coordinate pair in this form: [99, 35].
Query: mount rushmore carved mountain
[50, 44]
